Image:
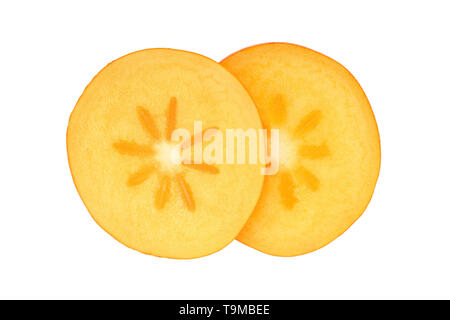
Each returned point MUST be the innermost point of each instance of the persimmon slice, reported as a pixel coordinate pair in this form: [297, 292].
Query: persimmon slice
[120, 148]
[329, 147]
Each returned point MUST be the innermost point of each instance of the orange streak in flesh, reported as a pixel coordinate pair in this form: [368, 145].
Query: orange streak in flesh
[186, 192]
[140, 176]
[133, 149]
[310, 180]
[163, 192]
[171, 117]
[204, 167]
[314, 152]
[309, 122]
[189, 143]
[147, 122]
[286, 188]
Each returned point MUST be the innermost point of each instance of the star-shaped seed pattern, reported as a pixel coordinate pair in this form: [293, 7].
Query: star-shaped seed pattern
[147, 152]
[288, 180]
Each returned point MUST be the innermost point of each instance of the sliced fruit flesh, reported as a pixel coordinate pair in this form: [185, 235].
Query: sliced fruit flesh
[329, 147]
[120, 153]
[164, 156]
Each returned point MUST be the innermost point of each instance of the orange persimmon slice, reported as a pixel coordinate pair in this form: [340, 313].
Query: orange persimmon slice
[329, 147]
[119, 149]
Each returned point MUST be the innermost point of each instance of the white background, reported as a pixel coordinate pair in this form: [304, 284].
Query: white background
[398, 50]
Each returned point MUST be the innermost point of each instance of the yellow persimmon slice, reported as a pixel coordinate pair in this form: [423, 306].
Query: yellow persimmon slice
[329, 147]
[120, 150]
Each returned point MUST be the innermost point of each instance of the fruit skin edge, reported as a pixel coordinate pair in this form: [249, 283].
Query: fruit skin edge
[286, 43]
[376, 126]
[76, 187]
[314, 250]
